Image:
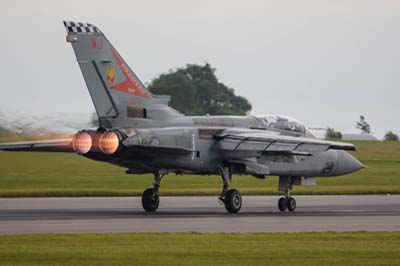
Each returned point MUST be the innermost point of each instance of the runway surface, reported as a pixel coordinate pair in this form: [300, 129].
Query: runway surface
[200, 214]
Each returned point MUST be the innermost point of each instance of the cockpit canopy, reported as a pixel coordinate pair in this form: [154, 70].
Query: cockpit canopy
[283, 123]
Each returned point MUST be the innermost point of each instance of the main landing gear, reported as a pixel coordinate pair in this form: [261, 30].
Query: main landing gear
[151, 196]
[287, 202]
[231, 198]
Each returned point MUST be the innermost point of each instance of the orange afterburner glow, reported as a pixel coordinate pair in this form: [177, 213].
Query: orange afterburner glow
[82, 142]
[109, 142]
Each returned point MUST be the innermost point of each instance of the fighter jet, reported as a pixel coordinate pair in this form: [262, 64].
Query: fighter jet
[140, 132]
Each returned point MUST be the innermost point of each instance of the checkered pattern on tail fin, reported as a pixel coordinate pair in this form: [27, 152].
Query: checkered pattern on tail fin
[78, 27]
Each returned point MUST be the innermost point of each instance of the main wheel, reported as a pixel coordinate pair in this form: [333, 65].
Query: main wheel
[233, 201]
[150, 203]
[291, 204]
[282, 204]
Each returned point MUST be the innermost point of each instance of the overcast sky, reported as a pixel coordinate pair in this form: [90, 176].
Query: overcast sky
[323, 62]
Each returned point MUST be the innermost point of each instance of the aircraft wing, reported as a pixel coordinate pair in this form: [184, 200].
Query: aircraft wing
[269, 142]
[58, 145]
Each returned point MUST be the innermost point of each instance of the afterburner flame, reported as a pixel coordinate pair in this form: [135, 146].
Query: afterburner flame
[109, 142]
[82, 142]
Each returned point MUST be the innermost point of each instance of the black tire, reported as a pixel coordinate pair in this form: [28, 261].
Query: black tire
[291, 204]
[149, 203]
[233, 201]
[282, 204]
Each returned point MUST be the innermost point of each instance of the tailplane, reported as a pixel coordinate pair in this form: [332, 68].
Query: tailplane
[116, 91]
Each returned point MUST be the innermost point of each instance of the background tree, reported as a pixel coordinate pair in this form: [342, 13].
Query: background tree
[391, 136]
[332, 134]
[363, 125]
[195, 90]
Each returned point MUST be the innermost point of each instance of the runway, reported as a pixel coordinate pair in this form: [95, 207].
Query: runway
[198, 214]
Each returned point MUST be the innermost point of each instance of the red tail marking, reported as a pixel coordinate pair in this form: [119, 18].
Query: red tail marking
[131, 85]
[97, 43]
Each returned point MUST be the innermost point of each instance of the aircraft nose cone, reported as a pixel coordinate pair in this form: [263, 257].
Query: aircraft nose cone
[346, 164]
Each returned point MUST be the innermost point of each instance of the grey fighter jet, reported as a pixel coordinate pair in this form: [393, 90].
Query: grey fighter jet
[140, 132]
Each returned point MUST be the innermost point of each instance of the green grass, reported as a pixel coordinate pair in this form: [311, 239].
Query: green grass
[359, 248]
[61, 174]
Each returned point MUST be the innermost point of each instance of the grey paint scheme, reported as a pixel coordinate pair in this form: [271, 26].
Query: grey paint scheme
[163, 140]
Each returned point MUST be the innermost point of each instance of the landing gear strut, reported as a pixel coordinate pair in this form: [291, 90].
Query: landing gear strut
[151, 196]
[230, 197]
[286, 202]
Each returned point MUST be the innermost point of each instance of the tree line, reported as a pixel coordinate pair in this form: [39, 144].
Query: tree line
[365, 128]
[195, 90]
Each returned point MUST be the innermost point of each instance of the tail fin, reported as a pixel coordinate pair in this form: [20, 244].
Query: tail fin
[114, 88]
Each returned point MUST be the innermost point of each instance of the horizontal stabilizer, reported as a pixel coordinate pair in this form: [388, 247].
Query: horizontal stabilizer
[59, 145]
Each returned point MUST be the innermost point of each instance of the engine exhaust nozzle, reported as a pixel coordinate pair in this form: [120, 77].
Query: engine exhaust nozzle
[82, 142]
[109, 142]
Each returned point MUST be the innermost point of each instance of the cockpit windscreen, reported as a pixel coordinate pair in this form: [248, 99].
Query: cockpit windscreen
[283, 123]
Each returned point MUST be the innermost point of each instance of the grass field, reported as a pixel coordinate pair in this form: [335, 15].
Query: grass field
[52, 174]
[202, 249]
